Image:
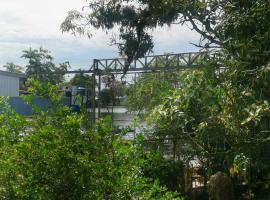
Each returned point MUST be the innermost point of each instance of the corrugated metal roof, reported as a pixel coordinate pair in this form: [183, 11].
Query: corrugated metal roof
[5, 73]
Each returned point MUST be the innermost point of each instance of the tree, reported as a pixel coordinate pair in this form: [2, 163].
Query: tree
[208, 118]
[148, 91]
[149, 88]
[82, 80]
[232, 25]
[11, 67]
[41, 67]
[190, 115]
[114, 89]
[236, 108]
[85, 81]
[54, 156]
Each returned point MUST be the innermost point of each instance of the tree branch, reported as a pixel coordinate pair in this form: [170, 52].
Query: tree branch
[203, 33]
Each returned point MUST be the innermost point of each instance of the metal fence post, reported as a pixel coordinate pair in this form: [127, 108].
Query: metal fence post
[94, 92]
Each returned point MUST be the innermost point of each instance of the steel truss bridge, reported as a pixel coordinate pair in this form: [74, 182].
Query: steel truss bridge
[149, 63]
[156, 63]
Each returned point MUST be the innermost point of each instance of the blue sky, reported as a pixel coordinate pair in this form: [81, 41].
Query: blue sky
[35, 23]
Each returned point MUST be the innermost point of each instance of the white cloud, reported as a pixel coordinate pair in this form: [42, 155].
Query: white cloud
[174, 39]
[35, 23]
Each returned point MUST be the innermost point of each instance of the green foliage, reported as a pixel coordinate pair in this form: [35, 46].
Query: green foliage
[134, 19]
[245, 31]
[215, 123]
[240, 27]
[191, 115]
[149, 90]
[241, 162]
[105, 97]
[11, 67]
[53, 155]
[217, 116]
[41, 67]
[12, 125]
[85, 81]
[82, 80]
[169, 173]
[112, 92]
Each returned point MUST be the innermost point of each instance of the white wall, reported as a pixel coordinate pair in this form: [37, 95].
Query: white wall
[9, 86]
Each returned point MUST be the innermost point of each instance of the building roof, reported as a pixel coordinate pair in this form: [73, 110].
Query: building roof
[18, 75]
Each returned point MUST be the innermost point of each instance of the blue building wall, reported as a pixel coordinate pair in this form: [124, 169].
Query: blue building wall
[22, 108]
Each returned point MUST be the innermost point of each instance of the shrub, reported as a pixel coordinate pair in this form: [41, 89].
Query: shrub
[169, 173]
[54, 156]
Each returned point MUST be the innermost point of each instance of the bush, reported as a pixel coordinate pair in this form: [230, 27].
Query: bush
[169, 173]
[54, 156]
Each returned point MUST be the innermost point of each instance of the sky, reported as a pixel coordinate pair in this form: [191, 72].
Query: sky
[36, 23]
